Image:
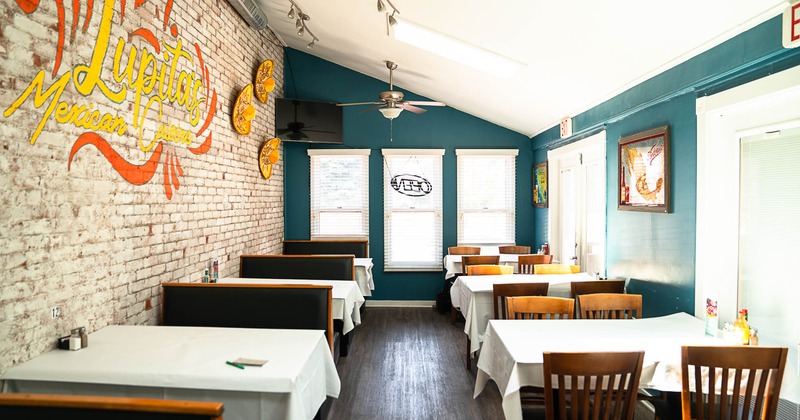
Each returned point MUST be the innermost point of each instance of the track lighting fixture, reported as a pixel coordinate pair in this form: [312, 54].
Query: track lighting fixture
[295, 12]
[390, 20]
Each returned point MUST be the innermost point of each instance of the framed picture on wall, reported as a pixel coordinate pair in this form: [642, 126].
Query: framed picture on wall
[644, 171]
[540, 185]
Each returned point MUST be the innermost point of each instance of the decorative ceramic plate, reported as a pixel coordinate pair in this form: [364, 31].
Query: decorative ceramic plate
[268, 156]
[264, 81]
[244, 111]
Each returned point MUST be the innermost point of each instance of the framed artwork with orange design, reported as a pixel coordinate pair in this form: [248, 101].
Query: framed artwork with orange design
[644, 171]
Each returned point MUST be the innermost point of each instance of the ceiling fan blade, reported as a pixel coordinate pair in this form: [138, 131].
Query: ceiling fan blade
[361, 103]
[412, 108]
[426, 103]
[374, 107]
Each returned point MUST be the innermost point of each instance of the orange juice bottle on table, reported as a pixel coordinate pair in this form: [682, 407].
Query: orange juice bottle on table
[742, 327]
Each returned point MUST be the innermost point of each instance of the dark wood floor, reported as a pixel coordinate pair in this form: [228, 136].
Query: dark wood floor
[408, 363]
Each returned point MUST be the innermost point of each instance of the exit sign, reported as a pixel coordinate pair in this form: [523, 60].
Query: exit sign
[791, 25]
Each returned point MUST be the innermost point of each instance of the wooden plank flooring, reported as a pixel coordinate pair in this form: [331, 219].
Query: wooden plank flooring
[408, 363]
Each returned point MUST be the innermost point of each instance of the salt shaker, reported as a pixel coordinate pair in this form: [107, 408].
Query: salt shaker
[75, 339]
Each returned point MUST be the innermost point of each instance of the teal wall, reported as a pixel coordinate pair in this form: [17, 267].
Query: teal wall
[311, 78]
[656, 251]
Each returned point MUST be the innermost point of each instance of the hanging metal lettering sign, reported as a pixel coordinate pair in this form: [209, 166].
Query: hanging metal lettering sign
[411, 185]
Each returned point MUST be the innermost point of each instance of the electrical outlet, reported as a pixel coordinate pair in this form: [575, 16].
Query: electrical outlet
[55, 312]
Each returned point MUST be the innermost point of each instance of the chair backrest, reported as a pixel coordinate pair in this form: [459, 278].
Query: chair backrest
[468, 260]
[539, 307]
[308, 267]
[464, 250]
[526, 262]
[758, 371]
[357, 247]
[489, 269]
[610, 306]
[500, 291]
[613, 384]
[514, 249]
[578, 288]
[52, 406]
[556, 269]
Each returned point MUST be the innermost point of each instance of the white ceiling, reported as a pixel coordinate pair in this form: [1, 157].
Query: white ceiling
[577, 53]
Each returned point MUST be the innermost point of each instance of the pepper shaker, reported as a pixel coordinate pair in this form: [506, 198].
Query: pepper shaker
[84, 338]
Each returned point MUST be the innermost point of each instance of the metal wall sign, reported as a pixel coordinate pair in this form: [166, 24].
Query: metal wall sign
[411, 185]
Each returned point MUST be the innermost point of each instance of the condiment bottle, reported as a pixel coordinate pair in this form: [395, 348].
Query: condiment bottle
[75, 339]
[84, 338]
[742, 327]
[753, 336]
[205, 276]
[215, 270]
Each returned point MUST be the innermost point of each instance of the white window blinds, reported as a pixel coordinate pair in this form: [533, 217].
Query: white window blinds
[412, 209]
[339, 193]
[487, 196]
[769, 237]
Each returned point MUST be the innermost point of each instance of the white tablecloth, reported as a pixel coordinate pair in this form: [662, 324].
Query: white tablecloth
[452, 263]
[512, 350]
[363, 267]
[473, 296]
[347, 297]
[189, 363]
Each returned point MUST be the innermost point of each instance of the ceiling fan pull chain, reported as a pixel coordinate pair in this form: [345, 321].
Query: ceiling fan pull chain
[390, 129]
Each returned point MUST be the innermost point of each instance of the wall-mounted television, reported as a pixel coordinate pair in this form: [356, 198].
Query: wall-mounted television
[308, 121]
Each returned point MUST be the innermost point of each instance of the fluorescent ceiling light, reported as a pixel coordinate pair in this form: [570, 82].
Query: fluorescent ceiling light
[453, 49]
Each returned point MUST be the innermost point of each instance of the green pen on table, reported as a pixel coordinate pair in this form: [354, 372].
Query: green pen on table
[234, 364]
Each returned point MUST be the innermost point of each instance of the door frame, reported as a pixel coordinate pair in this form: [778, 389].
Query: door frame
[571, 154]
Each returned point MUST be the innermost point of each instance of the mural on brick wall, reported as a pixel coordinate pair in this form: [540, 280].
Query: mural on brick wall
[163, 71]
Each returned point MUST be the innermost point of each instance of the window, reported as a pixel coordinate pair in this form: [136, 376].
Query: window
[339, 193]
[412, 191]
[487, 196]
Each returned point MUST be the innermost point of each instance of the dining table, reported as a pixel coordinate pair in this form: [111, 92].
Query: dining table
[363, 275]
[512, 353]
[191, 363]
[452, 263]
[346, 296]
[472, 295]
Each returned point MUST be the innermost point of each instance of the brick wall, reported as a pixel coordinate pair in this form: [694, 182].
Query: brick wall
[80, 237]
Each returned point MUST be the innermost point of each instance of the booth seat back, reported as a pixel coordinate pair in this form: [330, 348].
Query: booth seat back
[295, 306]
[309, 267]
[89, 407]
[358, 248]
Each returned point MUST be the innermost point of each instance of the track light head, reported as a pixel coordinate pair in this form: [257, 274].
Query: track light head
[381, 6]
[291, 13]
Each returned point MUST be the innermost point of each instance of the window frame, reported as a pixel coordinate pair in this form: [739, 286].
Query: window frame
[315, 209]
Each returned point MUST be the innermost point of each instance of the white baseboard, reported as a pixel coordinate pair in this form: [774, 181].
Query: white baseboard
[400, 303]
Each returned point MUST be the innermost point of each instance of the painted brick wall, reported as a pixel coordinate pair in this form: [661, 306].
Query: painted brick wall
[80, 237]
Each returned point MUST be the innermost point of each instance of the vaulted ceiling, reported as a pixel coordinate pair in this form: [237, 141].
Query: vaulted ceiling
[576, 54]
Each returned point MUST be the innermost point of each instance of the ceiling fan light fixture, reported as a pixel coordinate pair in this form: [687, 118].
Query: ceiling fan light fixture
[391, 113]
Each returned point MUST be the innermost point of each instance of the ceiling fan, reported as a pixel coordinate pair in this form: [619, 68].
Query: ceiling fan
[391, 101]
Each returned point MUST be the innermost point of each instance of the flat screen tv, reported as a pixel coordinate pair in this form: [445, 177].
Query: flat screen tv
[308, 121]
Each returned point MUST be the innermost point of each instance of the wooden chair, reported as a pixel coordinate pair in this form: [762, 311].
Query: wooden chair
[539, 307]
[51, 406]
[489, 269]
[468, 260]
[556, 269]
[500, 291]
[526, 262]
[514, 249]
[578, 288]
[613, 377]
[610, 306]
[761, 387]
[464, 250]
